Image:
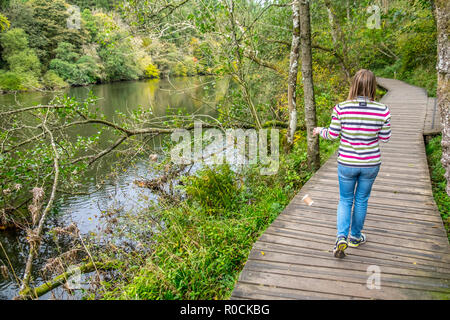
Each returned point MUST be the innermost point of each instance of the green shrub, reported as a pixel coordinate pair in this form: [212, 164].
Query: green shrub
[423, 77]
[52, 81]
[214, 189]
[14, 81]
[164, 66]
[10, 81]
[30, 81]
[65, 70]
[4, 23]
[14, 40]
[21, 60]
[88, 71]
[24, 62]
[191, 68]
[418, 47]
[74, 69]
[180, 70]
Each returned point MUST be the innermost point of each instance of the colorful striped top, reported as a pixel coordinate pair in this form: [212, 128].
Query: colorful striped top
[361, 124]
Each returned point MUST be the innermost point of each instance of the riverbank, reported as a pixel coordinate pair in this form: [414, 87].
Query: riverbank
[203, 244]
[67, 86]
[108, 184]
[438, 181]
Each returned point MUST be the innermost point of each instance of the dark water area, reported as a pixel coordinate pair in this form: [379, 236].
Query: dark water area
[193, 95]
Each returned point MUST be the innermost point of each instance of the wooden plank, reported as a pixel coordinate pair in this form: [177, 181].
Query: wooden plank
[427, 255]
[262, 292]
[403, 231]
[313, 257]
[376, 191]
[379, 212]
[369, 254]
[341, 274]
[376, 237]
[384, 186]
[331, 286]
[327, 217]
[380, 201]
[422, 178]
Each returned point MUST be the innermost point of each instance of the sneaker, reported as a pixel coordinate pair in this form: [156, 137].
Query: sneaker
[354, 242]
[339, 248]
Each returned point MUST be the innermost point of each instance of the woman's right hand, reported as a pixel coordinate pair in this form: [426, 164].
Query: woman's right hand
[316, 131]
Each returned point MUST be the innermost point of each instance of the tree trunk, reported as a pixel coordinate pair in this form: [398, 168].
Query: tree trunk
[348, 10]
[339, 41]
[293, 71]
[443, 87]
[308, 86]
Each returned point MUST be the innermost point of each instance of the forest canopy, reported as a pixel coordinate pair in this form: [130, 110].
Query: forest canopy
[129, 40]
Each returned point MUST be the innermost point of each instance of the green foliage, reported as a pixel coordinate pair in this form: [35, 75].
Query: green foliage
[74, 69]
[180, 69]
[52, 81]
[407, 45]
[215, 190]
[417, 46]
[21, 169]
[23, 63]
[102, 50]
[49, 24]
[63, 69]
[119, 64]
[4, 23]
[10, 81]
[91, 4]
[13, 41]
[438, 180]
[66, 52]
[151, 71]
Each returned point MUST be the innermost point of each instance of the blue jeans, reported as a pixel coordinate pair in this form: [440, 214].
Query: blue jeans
[355, 185]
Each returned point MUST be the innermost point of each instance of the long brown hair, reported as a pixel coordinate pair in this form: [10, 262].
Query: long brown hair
[364, 84]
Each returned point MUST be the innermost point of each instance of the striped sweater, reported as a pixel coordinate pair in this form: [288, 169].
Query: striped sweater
[361, 123]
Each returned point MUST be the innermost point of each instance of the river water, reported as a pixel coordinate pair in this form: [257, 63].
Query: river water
[187, 94]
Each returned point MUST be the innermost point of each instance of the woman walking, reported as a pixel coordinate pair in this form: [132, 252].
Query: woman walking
[362, 123]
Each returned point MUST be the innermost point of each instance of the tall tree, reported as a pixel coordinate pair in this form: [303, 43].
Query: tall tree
[339, 41]
[293, 71]
[308, 86]
[443, 69]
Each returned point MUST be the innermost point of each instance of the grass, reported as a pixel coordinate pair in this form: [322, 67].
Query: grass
[438, 181]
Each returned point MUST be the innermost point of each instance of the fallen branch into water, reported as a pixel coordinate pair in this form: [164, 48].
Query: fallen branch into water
[33, 293]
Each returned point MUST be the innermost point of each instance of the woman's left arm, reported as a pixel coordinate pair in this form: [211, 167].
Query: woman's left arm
[334, 130]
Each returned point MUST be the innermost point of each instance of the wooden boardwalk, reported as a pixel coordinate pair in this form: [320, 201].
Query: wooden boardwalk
[406, 237]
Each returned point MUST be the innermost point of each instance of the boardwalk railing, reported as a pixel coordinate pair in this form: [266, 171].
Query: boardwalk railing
[407, 255]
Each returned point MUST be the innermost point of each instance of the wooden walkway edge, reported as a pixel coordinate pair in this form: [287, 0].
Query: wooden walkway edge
[407, 244]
